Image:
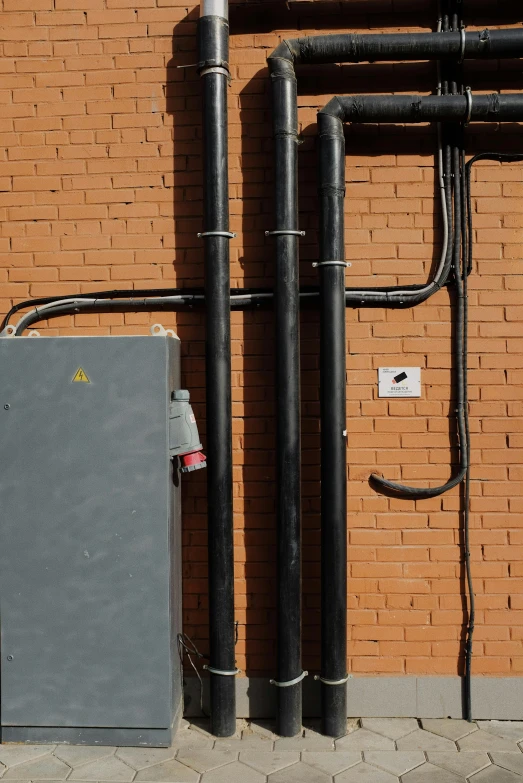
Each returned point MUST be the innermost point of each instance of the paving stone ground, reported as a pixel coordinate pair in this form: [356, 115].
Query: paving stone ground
[374, 750]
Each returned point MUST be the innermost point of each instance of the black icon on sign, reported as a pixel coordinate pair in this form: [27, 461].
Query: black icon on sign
[399, 378]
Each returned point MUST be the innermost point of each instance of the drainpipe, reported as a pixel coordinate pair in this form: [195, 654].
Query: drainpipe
[333, 296]
[213, 67]
[331, 267]
[287, 383]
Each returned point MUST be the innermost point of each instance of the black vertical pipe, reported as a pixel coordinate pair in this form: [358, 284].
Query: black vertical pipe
[333, 428]
[213, 39]
[287, 382]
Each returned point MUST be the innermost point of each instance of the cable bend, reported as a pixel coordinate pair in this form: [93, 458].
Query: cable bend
[417, 492]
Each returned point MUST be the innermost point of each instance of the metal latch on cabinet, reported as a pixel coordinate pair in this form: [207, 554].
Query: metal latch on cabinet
[184, 439]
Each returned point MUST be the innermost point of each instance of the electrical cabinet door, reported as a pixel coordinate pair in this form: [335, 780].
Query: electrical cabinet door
[89, 532]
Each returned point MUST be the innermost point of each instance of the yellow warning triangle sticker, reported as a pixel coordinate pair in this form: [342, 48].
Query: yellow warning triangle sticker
[80, 376]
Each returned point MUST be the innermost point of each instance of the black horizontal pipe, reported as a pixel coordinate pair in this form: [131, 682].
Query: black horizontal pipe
[351, 47]
[430, 108]
[240, 299]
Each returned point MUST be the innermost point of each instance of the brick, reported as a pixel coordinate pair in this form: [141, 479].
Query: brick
[110, 17]
[132, 150]
[29, 5]
[36, 183]
[122, 30]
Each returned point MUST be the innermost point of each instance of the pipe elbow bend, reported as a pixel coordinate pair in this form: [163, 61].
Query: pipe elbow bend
[287, 51]
[333, 108]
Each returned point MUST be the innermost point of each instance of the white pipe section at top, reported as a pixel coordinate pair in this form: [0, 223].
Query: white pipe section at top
[214, 8]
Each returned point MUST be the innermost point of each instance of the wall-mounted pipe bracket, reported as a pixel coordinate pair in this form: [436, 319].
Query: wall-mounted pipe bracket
[468, 95]
[285, 232]
[222, 672]
[333, 682]
[463, 44]
[215, 69]
[289, 682]
[317, 264]
[227, 234]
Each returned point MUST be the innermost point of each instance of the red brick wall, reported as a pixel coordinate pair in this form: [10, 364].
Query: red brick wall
[100, 173]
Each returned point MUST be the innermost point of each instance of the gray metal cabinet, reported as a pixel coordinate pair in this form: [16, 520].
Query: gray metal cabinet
[90, 581]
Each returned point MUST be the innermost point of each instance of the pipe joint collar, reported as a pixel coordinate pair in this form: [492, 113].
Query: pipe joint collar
[281, 67]
[213, 66]
[333, 108]
[214, 8]
[286, 51]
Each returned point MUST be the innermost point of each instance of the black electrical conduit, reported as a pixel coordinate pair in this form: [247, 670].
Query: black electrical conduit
[332, 187]
[431, 108]
[148, 300]
[449, 89]
[350, 47]
[240, 298]
[412, 109]
[460, 275]
[468, 243]
[314, 50]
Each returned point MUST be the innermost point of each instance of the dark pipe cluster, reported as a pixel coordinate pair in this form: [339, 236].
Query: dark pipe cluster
[452, 44]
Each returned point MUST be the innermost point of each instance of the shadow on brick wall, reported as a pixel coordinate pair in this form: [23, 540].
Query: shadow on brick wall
[183, 108]
[265, 17]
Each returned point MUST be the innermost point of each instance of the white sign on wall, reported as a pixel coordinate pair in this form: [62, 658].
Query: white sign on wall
[399, 382]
